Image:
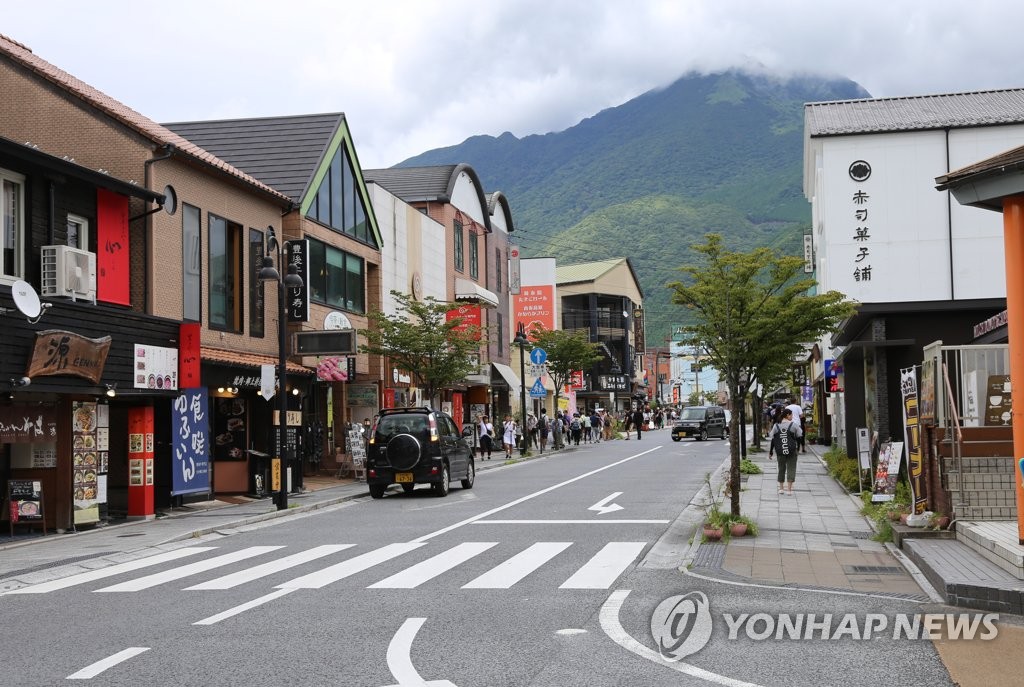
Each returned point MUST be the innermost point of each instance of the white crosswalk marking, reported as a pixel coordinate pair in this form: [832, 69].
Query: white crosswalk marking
[601, 571]
[519, 566]
[187, 570]
[250, 574]
[322, 578]
[412, 577]
[102, 573]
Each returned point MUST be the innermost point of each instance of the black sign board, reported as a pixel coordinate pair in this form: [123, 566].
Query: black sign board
[291, 442]
[331, 342]
[613, 382]
[351, 369]
[24, 503]
[298, 299]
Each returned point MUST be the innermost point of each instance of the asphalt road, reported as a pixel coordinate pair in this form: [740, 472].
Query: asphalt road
[545, 573]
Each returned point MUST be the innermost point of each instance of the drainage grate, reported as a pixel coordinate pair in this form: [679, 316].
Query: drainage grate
[709, 555]
[134, 534]
[57, 564]
[873, 569]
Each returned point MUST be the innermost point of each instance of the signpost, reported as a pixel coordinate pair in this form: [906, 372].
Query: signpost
[538, 356]
[538, 390]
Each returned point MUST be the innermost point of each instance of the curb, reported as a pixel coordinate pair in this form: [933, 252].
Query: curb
[690, 552]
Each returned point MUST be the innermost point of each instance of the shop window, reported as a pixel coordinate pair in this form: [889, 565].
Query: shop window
[225, 275]
[338, 204]
[12, 204]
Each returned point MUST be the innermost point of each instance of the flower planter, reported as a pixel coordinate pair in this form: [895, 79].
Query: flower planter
[903, 518]
[941, 523]
[895, 515]
[712, 533]
[738, 529]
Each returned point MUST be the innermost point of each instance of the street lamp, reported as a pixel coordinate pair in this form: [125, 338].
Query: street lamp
[291, 281]
[522, 342]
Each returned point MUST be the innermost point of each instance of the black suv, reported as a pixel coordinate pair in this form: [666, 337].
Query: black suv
[701, 422]
[411, 446]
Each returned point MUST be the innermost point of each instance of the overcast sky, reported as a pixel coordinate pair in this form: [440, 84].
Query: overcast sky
[412, 75]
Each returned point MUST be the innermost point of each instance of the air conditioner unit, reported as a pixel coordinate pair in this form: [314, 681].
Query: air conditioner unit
[68, 272]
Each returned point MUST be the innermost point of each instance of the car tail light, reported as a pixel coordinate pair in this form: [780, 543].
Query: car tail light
[433, 428]
[433, 470]
[371, 473]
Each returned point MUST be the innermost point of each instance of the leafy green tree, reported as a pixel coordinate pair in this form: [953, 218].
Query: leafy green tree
[420, 339]
[568, 352]
[751, 309]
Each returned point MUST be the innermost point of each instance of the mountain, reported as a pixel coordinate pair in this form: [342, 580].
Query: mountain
[646, 179]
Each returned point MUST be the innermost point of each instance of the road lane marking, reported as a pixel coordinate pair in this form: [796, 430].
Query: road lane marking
[92, 575]
[339, 571]
[601, 571]
[609, 618]
[213, 619]
[523, 499]
[605, 506]
[519, 566]
[571, 522]
[414, 576]
[98, 667]
[399, 657]
[250, 574]
[155, 579]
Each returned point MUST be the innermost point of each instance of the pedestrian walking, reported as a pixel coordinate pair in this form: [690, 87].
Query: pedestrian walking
[595, 427]
[508, 435]
[543, 428]
[638, 421]
[783, 441]
[486, 433]
[575, 429]
[556, 430]
[798, 417]
[587, 425]
[531, 430]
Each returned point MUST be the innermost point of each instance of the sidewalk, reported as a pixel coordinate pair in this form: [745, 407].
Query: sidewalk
[815, 538]
[36, 555]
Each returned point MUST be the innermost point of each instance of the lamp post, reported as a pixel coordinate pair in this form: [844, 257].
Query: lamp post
[522, 342]
[291, 281]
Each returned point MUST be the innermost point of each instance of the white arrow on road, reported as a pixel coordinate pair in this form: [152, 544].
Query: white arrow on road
[602, 506]
[400, 658]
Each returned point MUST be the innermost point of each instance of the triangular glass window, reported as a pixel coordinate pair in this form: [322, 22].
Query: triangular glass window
[338, 203]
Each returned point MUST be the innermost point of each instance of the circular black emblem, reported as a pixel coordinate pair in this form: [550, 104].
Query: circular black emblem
[860, 170]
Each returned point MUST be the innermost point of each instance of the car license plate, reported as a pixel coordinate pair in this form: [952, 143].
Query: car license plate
[403, 477]
[682, 434]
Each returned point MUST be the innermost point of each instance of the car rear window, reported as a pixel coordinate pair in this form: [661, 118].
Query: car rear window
[391, 425]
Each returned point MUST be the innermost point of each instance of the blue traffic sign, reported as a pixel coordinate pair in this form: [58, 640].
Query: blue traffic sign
[538, 390]
[538, 356]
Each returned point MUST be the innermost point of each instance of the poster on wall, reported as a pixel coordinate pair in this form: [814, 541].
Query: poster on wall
[997, 400]
[190, 430]
[229, 431]
[85, 463]
[155, 367]
[927, 390]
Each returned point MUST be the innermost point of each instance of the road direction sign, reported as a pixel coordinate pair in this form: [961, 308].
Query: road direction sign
[538, 370]
[538, 356]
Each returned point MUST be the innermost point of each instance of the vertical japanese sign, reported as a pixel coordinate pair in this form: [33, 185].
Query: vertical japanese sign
[191, 433]
[860, 171]
[112, 254]
[298, 299]
[189, 356]
[912, 437]
[808, 253]
[256, 285]
[535, 307]
[514, 274]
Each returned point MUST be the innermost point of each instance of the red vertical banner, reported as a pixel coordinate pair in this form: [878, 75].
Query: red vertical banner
[112, 249]
[457, 409]
[188, 355]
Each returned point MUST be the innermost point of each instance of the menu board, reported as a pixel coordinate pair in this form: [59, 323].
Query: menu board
[156, 367]
[26, 499]
[998, 403]
[85, 462]
[229, 432]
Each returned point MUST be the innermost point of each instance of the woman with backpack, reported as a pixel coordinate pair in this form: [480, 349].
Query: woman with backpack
[784, 441]
[575, 429]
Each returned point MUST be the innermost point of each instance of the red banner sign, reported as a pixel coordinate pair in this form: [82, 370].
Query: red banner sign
[112, 254]
[188, 355]
[576, 380]
[470, 315]
[534, 307]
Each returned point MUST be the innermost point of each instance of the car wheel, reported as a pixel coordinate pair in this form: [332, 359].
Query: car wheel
[407, 488]
[703, 435]
[675, 439]
[377, 490]
[441, 488]
[470, 476]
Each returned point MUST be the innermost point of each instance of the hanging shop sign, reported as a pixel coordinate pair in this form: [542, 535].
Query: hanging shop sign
[189, 356]
[298, 299]
[362, 395]
[155, 367]
[190, 430]
[613, 382]
[912, 437]
[57, 352]
[640, 343]
[25, 424]
[991, 324]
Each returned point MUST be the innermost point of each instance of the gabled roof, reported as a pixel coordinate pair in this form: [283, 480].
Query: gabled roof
[23, 56]
[592, 271]
[428, 184]
[914, 113]
[282, 152]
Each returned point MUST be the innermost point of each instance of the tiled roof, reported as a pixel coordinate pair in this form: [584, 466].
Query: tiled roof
[282, 152]
[254, 360]
[24, 56]
[1005, 161]
[915, 113]
[415, 184]
[585, 271]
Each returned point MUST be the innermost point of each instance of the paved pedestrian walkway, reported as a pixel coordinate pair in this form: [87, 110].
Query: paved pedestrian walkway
[816, 537]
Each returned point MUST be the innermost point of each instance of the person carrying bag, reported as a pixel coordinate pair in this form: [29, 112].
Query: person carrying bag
[486, 437]
[784, 441]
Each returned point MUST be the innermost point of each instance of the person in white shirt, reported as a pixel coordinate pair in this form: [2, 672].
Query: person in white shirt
[486, 431]
[798, 418]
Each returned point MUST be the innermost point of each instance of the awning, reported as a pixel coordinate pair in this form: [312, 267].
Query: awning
[253, 360]
[466, 290]
[508, 375]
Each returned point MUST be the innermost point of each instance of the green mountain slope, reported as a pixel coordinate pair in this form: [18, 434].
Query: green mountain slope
[650, 177]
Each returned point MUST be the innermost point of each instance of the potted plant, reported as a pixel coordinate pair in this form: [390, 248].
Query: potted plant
[714, 521]
[939, 521]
